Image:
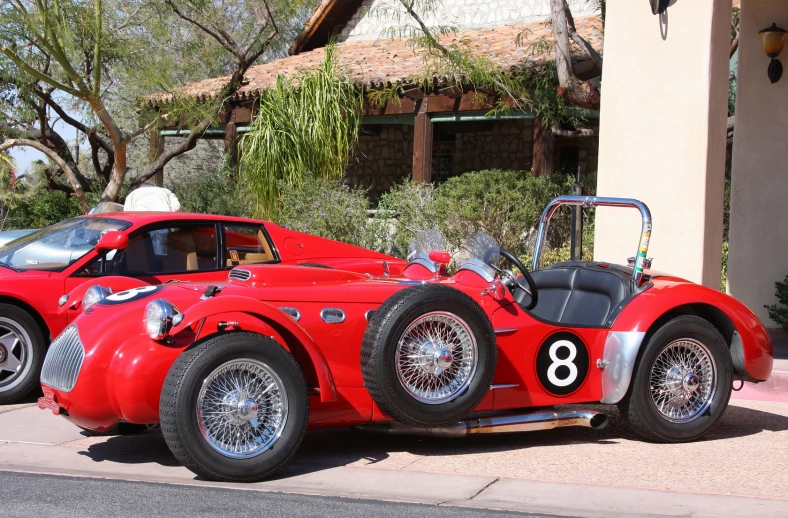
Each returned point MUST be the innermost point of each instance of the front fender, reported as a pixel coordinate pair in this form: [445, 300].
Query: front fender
[216, 306]
[116, 283]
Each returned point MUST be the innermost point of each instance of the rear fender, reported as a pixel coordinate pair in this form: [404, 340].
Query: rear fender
[749, 342]
[115, 283]
[223, 309]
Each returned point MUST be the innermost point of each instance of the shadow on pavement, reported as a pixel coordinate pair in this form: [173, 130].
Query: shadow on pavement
[326, 449]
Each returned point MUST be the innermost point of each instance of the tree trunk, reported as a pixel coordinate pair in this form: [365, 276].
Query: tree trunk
[115, 184]
[80, 194]
[585, 94]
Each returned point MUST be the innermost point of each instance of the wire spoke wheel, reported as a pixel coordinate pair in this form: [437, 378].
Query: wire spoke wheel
[436, 357]
[16, 350]
[683, 380]
[242, 408]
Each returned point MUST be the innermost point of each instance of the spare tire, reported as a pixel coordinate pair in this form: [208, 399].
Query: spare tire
[428, 355]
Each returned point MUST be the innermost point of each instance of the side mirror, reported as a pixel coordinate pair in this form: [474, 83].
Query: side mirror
[113, 240]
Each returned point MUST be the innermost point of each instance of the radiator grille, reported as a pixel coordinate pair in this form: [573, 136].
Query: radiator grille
[63, 360]
[240, 275]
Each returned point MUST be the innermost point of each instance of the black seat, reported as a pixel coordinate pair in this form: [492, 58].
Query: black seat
[580, 293]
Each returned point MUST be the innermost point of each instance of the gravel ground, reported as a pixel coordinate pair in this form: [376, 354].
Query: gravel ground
[746, 453]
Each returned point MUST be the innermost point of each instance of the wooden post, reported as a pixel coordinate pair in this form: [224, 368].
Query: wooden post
[544, 149]
[422, 145]
[156, 149]
[231, 142]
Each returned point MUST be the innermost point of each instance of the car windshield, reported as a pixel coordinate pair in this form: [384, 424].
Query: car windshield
[54, 248]
[424, 242]
[481, 247]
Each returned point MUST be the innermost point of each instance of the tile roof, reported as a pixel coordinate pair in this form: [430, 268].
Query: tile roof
[383, 62]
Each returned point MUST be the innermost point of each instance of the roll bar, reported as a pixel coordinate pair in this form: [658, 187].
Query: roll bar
[593, 201]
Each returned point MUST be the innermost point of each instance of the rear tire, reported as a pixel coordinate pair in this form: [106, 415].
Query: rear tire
[229, 386]
[22, 348]
[682, 383]
[428, 356]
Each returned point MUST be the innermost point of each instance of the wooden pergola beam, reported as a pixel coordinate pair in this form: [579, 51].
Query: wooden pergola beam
[422, 144]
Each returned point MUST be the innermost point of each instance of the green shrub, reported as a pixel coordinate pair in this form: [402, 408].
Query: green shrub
[326, 208]
[42, 208]
[216, 193]
[404, 211]
[779, 312]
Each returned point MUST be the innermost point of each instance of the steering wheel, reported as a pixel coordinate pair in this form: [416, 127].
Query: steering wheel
[513, 282]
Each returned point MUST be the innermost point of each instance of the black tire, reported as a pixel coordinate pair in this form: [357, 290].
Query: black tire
[378, 354]
[640, 410]
[178, 404]
[29, 351]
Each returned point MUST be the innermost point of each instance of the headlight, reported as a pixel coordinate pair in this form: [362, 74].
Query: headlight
[159, 317]
[93, 295]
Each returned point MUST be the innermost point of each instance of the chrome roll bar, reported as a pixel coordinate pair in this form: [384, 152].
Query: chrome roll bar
[593, 201]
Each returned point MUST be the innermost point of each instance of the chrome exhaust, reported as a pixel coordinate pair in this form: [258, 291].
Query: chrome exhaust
[498, 424]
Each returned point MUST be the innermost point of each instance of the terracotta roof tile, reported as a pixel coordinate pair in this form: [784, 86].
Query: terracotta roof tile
[383, 62]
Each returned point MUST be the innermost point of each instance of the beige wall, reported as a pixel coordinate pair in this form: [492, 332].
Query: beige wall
[662, 133]
[758, 253]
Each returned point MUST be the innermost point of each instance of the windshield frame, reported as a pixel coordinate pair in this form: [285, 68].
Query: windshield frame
[18, 245]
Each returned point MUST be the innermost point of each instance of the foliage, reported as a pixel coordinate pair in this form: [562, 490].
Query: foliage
[328, 208]
[307, 123]
[779, 312]
[505, 204]
[86, 62]
[215, 193]
[42, 208]
[403, 212]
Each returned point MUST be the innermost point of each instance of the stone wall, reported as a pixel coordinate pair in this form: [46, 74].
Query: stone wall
[384, 158]
[505, 145]
[369, 22]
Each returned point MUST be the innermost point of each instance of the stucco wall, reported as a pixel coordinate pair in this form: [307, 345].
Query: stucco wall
[369, 22]
[758, 247]
[662, 133]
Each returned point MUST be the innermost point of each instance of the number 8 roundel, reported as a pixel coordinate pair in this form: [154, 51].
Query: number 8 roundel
[562, 363]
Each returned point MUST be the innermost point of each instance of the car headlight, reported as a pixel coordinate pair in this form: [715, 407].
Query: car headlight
[159, 316]
[93, 295]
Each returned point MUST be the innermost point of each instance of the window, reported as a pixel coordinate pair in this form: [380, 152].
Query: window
[161, 251]
[246, 244]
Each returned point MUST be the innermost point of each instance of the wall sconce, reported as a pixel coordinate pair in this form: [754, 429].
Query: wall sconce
[773, 39]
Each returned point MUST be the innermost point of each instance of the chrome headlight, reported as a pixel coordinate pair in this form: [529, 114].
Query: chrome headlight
[159, 316]
[93, 295]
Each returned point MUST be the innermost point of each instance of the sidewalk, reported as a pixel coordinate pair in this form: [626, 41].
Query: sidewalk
[740, 469]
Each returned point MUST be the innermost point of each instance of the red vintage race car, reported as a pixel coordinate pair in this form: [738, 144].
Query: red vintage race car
[236, 372]
[44, 275]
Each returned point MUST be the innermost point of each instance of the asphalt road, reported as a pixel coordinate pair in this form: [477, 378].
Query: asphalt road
[29, 495]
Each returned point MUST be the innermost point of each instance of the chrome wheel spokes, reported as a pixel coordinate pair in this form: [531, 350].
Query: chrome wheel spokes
[242, 408]
[683, 380]
[436, 357]
[15, 352]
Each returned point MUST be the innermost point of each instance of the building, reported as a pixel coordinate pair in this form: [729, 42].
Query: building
[433, 135]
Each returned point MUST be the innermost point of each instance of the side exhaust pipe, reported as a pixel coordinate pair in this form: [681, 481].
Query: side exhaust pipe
[499, 424]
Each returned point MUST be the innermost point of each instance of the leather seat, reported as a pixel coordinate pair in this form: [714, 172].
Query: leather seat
[579, 293]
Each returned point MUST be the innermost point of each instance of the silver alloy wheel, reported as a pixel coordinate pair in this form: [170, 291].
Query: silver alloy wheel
[683, 380]
[242, 408]
[436, 357]
[16, 352]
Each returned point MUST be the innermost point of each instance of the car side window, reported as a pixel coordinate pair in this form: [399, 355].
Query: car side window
[246, 244]
[169, 250]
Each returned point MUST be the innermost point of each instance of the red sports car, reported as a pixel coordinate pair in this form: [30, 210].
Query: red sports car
[235, 372]
[125, 250]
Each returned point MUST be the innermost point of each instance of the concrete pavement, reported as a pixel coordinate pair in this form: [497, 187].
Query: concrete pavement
[740, 469]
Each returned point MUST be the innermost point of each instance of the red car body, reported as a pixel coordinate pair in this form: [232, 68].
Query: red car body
[121, 379]
[37, 292]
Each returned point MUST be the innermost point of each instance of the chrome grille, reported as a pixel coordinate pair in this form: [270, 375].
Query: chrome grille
[240, 275]
[63, 361]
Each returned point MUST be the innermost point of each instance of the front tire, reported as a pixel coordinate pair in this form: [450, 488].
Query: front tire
[22, 348]
[682, 384]
[234, 408]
